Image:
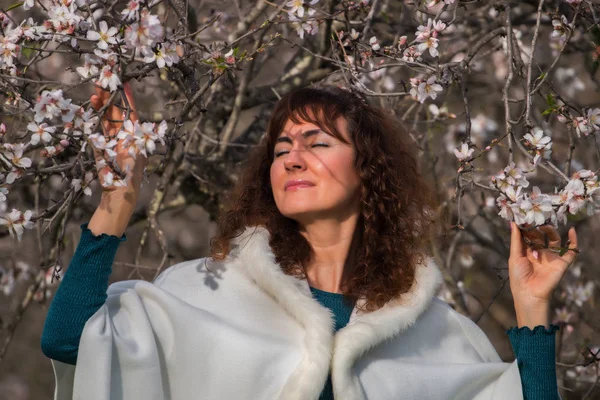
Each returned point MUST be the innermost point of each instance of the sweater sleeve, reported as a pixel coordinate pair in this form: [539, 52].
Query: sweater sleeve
[535, 353]
[80, 294]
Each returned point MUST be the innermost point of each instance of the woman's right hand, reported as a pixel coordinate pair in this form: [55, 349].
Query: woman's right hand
[111, 122]
[117, 203]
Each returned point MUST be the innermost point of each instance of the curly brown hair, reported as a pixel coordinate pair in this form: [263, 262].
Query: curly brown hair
[396, 203]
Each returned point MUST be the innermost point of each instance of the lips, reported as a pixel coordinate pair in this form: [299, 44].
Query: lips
[298, 183]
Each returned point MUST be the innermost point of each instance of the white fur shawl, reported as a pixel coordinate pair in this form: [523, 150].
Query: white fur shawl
[242, 329]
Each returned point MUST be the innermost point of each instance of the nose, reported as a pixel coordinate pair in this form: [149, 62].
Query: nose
[294, 161]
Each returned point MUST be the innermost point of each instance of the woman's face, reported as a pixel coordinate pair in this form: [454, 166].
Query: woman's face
[313, 176]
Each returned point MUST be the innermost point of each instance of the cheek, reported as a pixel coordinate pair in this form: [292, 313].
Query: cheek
[275, 173]
[346, 175]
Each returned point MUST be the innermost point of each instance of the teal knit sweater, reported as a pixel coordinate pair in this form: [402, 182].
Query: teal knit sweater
[83, 291]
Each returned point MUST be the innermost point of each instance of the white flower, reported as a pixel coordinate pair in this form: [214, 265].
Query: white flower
[16, 222]
[28, 4]
[146, 33]
[166, 54]
[464, 153]
[47, 105]
[580, 294]
[40, 131]
[77, 184]
[593, 117]
[311, 26]
[111, 180]
[374, 43]
[424, 31]
[14, 152]
[513, 193]
[411, 54]
[108, 78]
[99, 142]
[582, 126]
[104, 36]
[421, 90]
[541, 208]
[89, 67]
[127, 135]
[430, 43]
[537, 140]
[505, 209]
[439, 26]
[510, 176]
[297, 6]
[146, 138]
[560, 27]
[131, 11]
[9, 51]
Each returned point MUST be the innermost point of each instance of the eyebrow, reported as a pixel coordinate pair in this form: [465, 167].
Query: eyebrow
[305, 134]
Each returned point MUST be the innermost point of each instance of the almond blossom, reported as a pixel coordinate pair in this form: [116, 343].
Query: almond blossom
[147, 33]
[374, 43]
[582, 126]
[3, 190]
[40, 132]
[77, 184]
[411, 54]
[541, 208]
[14, 153]
[48, 105]
[540, 144]
[464, 153]
[105, 35]
[99, 142]
[16, 222]
[560, 29]
[310, 26]
[108, 78]
[146, 138]
[89, 67]
[111, 180]
[131, 12]
[165, 54]
[421, 90]
[593, 118]
[579, 293]
[510, 176]
[297, 6]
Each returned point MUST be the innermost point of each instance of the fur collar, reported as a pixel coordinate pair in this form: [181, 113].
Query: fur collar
[363, 332]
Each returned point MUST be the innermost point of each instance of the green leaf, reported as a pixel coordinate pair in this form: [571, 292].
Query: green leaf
[550, 100]
[15, 6]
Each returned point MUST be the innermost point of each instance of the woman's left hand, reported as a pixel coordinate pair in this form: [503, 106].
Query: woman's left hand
[534, 274]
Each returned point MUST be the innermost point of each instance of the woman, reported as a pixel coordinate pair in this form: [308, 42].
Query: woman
[317, 284]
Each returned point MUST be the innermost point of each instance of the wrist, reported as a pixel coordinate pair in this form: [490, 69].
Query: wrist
[113, 213]
[532, 314]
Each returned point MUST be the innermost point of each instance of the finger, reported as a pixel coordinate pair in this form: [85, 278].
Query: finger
[130, 101]
[551, 234]
[533, 255]
[570, 255]
[95, 102]
[102, 93]
[517, 246]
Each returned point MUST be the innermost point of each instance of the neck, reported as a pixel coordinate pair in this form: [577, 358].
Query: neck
[331, 242]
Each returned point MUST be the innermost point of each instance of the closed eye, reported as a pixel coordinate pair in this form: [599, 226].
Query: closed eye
[282, 152]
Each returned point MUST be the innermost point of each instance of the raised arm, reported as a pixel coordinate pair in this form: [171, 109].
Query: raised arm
[83, 288]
